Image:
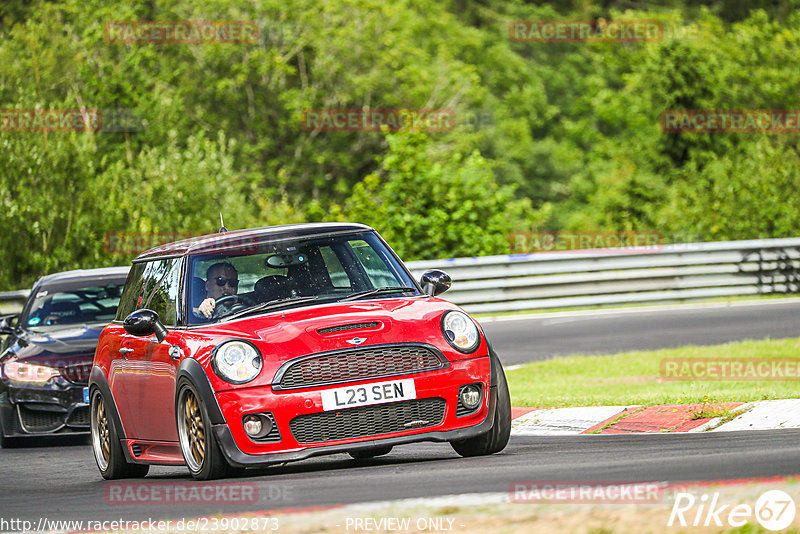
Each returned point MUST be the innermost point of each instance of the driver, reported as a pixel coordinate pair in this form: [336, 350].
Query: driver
[222, 279]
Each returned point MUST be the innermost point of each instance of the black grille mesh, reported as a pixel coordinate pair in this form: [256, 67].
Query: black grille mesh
[79, 417]
[367, 420]
[340, 328]
[38, 421]
[369, 362]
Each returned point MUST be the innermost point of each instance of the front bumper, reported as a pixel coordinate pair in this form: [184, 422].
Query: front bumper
[242, 451]
[43, 411]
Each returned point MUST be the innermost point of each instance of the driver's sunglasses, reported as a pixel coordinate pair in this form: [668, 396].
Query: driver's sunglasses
[232, 282]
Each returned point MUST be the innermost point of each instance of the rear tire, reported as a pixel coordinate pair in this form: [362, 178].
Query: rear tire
[497, 438]
[199, 446]
[106, 445]
[364, 454]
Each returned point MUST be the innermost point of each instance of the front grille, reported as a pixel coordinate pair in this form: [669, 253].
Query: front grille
[354, 326]
[367, 420]
[79, 417]
[359, 364]
[39, 421]
[77, 373]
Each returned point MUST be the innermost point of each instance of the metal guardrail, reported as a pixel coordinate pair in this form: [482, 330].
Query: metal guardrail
[690, 271]
[12, 301]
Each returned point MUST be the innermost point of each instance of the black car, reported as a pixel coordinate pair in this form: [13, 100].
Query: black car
[47, 352]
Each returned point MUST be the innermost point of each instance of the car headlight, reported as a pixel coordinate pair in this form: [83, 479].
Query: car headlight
[29, 373]
[236, 362]
[460, 331]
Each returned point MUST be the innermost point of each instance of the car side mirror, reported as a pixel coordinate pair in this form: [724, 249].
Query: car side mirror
[435, 282]
[144, 323]
[7, 325]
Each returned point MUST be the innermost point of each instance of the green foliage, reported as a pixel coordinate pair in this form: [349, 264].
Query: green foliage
[547, 136]
[429, 207]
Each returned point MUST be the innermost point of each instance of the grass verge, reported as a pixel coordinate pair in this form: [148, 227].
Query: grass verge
[634, 378]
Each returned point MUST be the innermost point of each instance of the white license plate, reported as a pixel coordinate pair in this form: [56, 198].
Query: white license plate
[86, 395]
[366, 394]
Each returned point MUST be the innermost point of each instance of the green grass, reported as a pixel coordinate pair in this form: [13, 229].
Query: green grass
[633, 378]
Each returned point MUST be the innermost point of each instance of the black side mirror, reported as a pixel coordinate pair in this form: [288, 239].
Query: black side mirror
[7, 325]
[144, 323]
[435, 282]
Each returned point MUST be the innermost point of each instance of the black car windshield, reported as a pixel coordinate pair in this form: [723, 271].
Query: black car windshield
[54, 307]
[281, 274]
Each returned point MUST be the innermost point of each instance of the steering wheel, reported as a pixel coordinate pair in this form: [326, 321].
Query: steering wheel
[231, 303]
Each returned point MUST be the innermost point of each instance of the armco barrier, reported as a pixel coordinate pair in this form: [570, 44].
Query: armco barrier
[688, 271]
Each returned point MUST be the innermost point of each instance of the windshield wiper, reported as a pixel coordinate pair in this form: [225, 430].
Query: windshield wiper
[370, 292]
[270, 305]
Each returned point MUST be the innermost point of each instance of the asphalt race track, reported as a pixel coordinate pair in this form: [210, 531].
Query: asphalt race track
[534, 338]
[63, 482]
[59, 480]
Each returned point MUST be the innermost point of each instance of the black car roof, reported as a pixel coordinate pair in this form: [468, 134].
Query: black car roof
[84, 275]
[250, 236]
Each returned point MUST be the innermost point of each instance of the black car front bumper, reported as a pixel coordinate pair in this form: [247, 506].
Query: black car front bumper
[43, 411]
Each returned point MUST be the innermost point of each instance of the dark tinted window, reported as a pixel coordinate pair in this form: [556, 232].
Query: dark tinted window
[73, 305]
[131, 297]
[161, 283]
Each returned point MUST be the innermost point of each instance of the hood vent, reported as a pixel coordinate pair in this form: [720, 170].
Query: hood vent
[343, 327]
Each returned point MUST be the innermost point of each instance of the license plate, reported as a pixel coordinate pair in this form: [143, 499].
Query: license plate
[364, 395]
[86, 395]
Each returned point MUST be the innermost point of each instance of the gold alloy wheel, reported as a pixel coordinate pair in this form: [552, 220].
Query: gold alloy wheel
[192, 431]
[101, 437]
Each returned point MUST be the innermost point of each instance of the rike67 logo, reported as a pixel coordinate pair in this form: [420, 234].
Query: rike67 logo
[774, 510]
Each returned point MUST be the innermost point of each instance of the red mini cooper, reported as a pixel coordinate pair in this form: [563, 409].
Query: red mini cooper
[264, 346]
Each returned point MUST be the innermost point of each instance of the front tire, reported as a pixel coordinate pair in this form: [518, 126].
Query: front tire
[497, 438]
[198, 444]
[106, 445]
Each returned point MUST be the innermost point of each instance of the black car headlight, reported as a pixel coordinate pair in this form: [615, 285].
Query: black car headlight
[460, 331]
[236, 361]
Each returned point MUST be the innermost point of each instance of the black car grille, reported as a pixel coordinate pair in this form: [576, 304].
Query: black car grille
[79, 417]
[77, 373]
[354, 326]
[40, 421]
[360, 364]
[367, 420]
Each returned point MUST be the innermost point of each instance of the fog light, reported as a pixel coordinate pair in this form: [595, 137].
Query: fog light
[253, 425]
[470, 396]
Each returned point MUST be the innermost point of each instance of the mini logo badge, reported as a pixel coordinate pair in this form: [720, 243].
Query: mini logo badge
[357, 340]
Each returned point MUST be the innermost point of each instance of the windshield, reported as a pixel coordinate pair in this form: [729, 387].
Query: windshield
[51, 308]
[293, 272]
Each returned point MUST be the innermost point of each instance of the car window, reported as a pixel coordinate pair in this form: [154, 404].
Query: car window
[132, 295]
[161, 283]
[74, 305]
[153, 285]
[325, 267]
